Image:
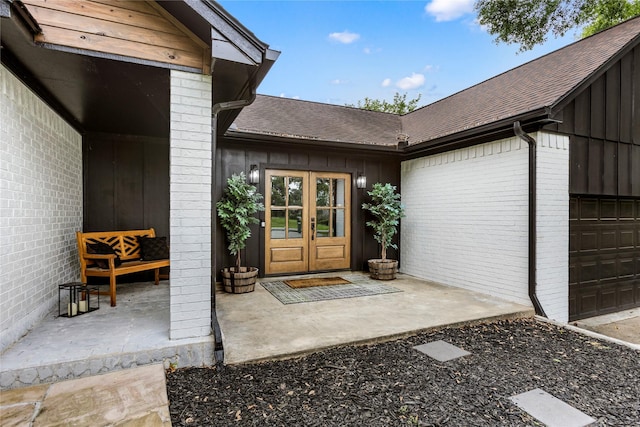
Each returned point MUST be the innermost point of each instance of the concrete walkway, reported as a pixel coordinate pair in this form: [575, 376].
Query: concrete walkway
[256, 326]
[624, 325]
[133, 397]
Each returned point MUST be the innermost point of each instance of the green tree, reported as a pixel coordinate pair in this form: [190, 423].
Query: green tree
[387, 210]
[528, 23]
[400, 105]
[236, 210]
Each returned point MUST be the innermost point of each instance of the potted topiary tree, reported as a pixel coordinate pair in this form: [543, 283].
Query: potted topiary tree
[387, 210]
[236, 210]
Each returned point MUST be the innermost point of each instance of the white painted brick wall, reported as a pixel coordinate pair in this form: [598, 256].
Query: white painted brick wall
[466, 223]
[467, 220]
[190, 206]
[40, 207]
[552, 249]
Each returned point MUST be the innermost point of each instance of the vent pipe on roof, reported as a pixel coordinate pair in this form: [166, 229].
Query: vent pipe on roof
[517, 129]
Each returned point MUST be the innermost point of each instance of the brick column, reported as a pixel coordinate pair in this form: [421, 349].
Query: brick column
[552, 224]
[190, 205]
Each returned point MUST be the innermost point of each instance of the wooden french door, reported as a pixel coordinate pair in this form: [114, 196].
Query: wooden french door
[307, 221]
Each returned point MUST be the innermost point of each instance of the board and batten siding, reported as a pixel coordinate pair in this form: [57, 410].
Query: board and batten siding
[467, 220]
[40, 206]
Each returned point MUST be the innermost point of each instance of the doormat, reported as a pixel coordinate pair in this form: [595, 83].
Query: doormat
[316, 281]
[357, 288]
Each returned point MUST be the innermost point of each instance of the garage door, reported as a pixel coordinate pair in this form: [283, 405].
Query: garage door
[604, 256]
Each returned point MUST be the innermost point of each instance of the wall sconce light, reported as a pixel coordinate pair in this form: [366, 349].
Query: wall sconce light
[254, 175]
[361, 182]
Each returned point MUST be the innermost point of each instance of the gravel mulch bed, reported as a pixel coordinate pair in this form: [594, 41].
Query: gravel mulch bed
[392, 384]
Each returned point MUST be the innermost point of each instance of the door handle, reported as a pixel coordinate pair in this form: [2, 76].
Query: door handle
[313, 228]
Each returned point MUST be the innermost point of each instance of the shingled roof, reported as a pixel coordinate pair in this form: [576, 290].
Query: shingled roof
[290, 118]
[539, 85]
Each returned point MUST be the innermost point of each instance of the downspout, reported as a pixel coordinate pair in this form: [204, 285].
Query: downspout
[517, 129]
[218, 350]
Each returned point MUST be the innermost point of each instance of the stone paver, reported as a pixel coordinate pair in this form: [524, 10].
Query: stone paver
[133, 397]
[442, 351]
[550, 410]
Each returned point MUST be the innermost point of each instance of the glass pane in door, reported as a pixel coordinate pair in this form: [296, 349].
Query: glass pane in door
[295, 191]
[278, 221]
[323, 192]
[278, 193]
[339, 224]
[323, 224]
[294, 224]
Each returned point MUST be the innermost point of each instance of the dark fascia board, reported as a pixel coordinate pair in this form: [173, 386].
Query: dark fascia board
[239, 136]
[21, 11]
[561, 103]
[531, 122]
[230, 28]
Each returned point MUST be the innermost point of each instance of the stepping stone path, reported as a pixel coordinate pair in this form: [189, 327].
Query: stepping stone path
[550, 410]
[442, 351]
[546, 408]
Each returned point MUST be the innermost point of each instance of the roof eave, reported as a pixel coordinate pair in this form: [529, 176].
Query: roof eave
[531, 121]
[239, 135]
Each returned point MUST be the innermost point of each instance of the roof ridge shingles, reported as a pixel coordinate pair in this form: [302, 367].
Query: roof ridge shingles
[537, 84]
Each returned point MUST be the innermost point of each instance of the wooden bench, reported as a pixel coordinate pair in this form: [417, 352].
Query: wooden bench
[126, 246]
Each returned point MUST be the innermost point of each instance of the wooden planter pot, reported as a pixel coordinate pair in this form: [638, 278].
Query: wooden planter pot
[239, 282]
[383, 270]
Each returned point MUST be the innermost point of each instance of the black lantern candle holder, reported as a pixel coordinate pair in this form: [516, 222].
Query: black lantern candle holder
[79, 299]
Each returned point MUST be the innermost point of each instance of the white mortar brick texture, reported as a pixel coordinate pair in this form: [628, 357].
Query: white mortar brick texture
[466, 222]
[40, 207]
[552, 250]
[190, 205]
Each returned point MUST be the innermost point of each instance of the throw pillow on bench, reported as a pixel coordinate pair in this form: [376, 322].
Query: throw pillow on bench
[153, 248]
[101, 248]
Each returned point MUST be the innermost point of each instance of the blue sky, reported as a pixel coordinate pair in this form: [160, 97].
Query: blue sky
[339, 52]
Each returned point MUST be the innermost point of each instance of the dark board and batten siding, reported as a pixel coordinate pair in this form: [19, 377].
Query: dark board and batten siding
[238, 156]
[603, 122]
[126, 182]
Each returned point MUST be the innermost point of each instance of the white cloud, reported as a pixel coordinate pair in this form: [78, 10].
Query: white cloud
[386, 83]
[345, 37]
[339, 82]
[366, 50]
[414, 81]
[448, 10]
[284, 95]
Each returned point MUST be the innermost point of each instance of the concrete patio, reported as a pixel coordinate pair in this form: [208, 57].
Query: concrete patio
[133, 334]
[255, 326]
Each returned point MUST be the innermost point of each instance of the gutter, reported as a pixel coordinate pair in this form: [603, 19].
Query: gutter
[517, 129]
[218, 350]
